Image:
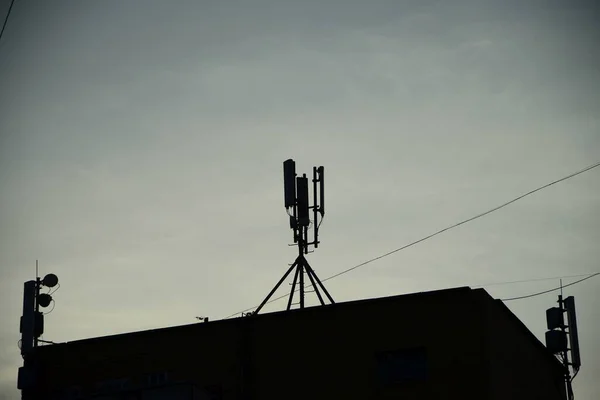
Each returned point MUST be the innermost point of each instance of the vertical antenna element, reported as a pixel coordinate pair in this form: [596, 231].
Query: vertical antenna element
[561, 292]
[289, 182]
[573, 336]
[315, 209]
[27, 327]
[321, 171]
[302, 187]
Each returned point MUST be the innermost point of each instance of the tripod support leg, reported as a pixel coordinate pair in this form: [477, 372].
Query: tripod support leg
[276, 287]
[293, 288]
[310, 271]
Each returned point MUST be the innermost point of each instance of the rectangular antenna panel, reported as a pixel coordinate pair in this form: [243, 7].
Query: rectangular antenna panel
[289, 182]
[573, 336]
[322, 191]
[303, 217]
[29, 317]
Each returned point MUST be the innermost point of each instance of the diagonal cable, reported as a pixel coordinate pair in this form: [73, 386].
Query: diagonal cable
[389, 253]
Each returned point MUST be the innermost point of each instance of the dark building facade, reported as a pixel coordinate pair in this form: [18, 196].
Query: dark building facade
[449, 344]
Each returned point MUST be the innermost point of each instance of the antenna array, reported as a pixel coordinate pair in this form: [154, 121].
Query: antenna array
[32, 325]
[32, 321]
[562, 338]
[297, 205]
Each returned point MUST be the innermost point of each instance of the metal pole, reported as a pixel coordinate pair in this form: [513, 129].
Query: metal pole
[566, 352]
[301, 272]
[37, 310]
[37, 306]
[295, 217]
[316, 226]
[301, 260]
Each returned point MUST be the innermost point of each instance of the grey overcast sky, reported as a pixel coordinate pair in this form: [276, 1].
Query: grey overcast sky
[141, 148]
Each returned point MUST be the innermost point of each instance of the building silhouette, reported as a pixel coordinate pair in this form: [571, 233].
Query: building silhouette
[448, 344]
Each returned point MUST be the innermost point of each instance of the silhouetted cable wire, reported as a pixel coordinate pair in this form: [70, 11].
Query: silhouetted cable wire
[587, 276]
[440, 232]
[54, 291]
[268, 302]
[574, 375]
[550, 290]
[532, 280]
[464, 222]
[6, 18]
[53, 305]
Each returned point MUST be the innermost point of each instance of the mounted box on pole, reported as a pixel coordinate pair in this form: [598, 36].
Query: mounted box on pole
[554, 318]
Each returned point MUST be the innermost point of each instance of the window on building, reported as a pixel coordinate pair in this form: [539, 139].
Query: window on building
[402, 366]
[112, 386]
[156, 378]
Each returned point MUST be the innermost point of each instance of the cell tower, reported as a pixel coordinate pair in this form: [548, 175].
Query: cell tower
[32, 324]
[562, 339]
[296, 201]
[32, 321]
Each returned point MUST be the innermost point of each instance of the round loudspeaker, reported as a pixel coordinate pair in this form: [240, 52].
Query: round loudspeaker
[50, 280]
[44, 299]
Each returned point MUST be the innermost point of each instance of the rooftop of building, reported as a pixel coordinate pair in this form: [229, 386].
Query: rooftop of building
[419, 297]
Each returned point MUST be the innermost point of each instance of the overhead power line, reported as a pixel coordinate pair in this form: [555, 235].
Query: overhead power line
[389, 253]
[532, 280]
[587, 276]
[595, 165]
[550, 290]
[6, 18]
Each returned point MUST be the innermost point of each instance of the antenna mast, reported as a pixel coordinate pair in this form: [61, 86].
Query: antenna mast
[562, 338]
[31, 327]
[296, 201]
[32, 320]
